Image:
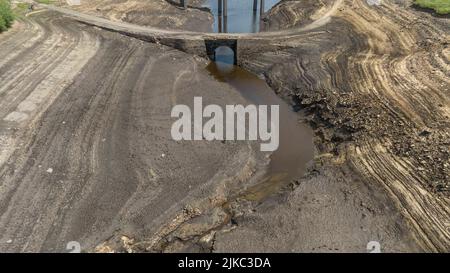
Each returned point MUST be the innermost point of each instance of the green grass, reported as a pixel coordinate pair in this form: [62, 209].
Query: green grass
[44, 1]
[440, 6]
[21, 9]
[22, 6]
[6, 15]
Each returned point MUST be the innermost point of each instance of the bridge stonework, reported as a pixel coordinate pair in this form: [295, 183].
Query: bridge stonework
[201, 44]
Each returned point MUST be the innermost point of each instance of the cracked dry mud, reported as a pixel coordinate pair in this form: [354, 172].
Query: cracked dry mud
[94, 107]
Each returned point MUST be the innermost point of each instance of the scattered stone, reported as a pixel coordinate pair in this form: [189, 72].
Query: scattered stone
[425, 133]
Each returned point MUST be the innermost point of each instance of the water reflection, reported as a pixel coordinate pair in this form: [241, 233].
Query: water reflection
[224, 59]
[238, 16]
[296, 145]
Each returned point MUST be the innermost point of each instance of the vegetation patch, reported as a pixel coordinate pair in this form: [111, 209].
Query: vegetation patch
[6, 15]
[44, 1]
[440, 6]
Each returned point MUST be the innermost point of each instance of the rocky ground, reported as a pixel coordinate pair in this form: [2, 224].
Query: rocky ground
[89, 160]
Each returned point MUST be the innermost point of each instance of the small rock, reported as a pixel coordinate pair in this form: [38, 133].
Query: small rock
[425, 133]
[50, 170]
[9, 241]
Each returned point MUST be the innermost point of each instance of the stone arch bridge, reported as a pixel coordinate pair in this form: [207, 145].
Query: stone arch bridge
[199, 43]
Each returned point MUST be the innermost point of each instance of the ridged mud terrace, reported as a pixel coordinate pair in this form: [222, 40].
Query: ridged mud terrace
[374, 84]
[86, 153]
[380, 95]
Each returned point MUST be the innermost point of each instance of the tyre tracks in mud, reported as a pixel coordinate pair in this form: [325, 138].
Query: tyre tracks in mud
[85, 130]
[376, 86]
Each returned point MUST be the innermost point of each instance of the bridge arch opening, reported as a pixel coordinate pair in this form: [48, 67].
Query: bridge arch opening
[224, 58]
[222, 51]
[224, 54]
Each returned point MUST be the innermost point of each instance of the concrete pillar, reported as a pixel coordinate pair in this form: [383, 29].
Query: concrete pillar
[262, 8]
[225, 24]
[225, 8]
[184, 3]
[255, 17]
[225, 14]
[219, 13]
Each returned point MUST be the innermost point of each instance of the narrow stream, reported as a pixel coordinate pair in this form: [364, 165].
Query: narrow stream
[296, 141]
[238, 16]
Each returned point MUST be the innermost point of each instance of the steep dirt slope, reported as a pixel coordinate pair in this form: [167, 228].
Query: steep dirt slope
[375, 83]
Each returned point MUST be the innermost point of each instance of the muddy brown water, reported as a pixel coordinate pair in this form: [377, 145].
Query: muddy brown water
[241, 17]
[296, 147]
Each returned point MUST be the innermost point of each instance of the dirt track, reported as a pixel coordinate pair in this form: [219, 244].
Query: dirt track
[83, 134]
